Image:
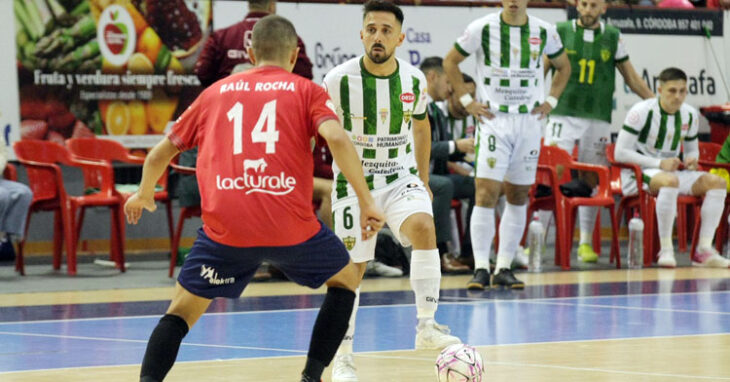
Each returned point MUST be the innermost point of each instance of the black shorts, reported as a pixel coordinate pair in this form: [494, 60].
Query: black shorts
[214, 270]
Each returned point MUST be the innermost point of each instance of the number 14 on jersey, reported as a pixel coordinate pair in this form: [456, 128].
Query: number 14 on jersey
[266, 119]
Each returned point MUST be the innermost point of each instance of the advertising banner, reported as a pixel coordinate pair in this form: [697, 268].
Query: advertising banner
[113, 68]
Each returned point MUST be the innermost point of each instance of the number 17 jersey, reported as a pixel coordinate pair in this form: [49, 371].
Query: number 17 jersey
[254, 132]
[377, 113]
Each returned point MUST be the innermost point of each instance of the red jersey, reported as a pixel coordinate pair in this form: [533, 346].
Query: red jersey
[226, 48]
[254, 132]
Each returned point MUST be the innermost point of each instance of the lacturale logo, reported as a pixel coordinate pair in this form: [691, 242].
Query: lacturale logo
[210, 274]
[255, 179]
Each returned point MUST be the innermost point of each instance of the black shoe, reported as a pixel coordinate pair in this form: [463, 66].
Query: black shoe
[7, 252]
[506, 278]
[479, 281]
[306, 378]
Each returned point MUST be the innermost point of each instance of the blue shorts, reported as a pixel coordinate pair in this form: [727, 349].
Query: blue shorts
[215, 270]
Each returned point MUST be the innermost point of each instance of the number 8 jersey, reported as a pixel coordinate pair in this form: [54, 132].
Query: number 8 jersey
[254, 132]
[377, 113]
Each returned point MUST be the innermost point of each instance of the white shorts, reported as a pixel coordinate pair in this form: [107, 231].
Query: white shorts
[592, 136]
[686, 180]
[398, 201]
[508, 147]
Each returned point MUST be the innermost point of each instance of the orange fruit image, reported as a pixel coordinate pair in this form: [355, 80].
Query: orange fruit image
[118, 118]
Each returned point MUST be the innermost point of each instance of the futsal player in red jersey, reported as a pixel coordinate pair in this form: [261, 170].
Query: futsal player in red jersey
[254, 131]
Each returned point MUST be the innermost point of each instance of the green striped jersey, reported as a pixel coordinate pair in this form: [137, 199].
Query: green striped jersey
[593, 55]
[462, 127]
[509, 60]
[660, 134]
[377, 113]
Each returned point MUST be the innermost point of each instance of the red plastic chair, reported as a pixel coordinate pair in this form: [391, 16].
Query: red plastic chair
[109, 151]
[645, 203]
[11, 173]
[564, 208]
[185, 213]
[708, 154]
[45, 178]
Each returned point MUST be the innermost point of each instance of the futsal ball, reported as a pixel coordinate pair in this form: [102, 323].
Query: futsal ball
[459, 363]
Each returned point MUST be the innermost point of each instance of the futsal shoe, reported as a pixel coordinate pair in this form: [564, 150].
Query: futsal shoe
[306, 378]
[586, 253]
[666, 259]
[431, 335]
[343, 369]
[479, 281]
[506, 278]
[709, 258]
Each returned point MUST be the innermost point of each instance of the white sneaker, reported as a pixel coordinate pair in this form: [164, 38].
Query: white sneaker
[709, 258]
[343, 369]
[377, 268]
[666, 259]
[521, 260]
[434, 336]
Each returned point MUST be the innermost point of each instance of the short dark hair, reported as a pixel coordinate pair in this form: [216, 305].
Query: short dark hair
[672, 74]
[467, 79]
[259, 4]
[273, 38]
[383, 6]
[432, 63]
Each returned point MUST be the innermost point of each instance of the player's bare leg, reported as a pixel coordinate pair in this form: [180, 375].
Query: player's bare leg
[164, 343]
[426, 281]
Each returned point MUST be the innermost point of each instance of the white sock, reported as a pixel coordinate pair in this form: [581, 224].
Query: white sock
[426, 281]
[511, 228]
[482, 234]
[710, 213]
[346, 344]
[587, 219]
[666, 211]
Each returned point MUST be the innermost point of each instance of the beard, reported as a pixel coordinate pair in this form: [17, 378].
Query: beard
[588, 21]
[378, 58]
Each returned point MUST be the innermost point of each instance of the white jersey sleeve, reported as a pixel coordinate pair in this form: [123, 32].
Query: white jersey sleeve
[691, 143]
[621, 53]
[625, 150]
[471, 39]
[422, 103]
[553, 45]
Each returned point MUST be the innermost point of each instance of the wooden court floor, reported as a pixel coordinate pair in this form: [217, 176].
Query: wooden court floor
[648, 325]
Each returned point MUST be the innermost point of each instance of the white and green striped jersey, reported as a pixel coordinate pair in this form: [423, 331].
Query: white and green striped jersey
[658, 134]
[509, 60]
[377, 113]
[462, 127]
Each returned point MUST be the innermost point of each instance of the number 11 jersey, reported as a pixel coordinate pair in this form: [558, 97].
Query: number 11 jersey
[254, 132]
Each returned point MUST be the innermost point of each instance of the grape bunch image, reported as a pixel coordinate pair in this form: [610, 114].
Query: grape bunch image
[117, 68]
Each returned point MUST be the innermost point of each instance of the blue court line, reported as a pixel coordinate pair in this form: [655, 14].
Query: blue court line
[267, 303]
[74, 343]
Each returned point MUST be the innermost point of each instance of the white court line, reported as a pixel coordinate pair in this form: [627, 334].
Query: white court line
[444, 300]
[571, 368]
[145, 342]
[378, 354]
[624, 307]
